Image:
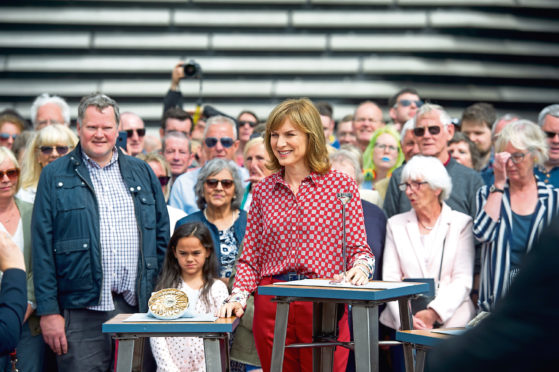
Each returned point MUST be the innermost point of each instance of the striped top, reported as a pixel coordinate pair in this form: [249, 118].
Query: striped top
[496, 239]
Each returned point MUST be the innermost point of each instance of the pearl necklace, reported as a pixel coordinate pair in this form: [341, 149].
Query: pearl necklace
[427, 227]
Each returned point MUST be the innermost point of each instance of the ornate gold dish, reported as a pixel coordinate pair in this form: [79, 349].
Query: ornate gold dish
[170, 303]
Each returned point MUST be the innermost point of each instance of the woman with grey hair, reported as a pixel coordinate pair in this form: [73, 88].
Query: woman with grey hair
[430, 241]
[346, 160]
[219, 192]
[512, 212]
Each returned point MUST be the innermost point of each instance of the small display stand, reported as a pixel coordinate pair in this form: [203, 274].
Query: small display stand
[131, 336]
[364, 300]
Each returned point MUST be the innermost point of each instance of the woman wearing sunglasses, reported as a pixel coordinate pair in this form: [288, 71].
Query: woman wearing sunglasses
[11, 126]
[246, 122]
[514, 210]
[162, 171]
[295, 231]
[15, 220]
[219, 192]
[47, 145]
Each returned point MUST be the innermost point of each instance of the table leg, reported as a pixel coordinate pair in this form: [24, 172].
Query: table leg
[420, 354]
[125, 355]
[324, 325]
[406, 324]
[216, 353]
[365, 335]
[280, 330]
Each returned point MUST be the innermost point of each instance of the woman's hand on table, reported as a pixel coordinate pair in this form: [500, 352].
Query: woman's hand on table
[230, 309]
[355, 276]
[425, 319]
[418, 323]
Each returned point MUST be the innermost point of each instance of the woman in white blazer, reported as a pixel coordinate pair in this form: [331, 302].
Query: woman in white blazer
[414, 247]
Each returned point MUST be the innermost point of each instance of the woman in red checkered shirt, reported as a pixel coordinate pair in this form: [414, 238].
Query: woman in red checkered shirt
[294, 230]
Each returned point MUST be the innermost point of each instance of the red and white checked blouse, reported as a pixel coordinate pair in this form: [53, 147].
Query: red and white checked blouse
[302, 233]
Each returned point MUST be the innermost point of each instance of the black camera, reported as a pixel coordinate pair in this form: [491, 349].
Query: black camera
[192, 70]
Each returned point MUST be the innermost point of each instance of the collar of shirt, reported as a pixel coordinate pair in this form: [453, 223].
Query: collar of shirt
[313, 179]
[94, 164]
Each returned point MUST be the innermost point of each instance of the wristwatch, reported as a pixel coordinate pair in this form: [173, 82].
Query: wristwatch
[493, 188]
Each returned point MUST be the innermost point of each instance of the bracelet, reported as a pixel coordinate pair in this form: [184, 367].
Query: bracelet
[363, 269]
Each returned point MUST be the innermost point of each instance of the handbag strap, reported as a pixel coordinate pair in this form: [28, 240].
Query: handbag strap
[441, 265]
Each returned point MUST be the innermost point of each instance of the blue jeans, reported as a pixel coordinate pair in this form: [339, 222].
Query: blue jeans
[30, 351]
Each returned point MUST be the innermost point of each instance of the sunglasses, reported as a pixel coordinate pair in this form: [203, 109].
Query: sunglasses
[420, 132]
[12, 174]
[548, 134]
[408, 102]
[164, 180]
[141, 132]
[6, 136]
[413, 185]
[245, 122]
[212, 183]
[225, 141]
[47, 150]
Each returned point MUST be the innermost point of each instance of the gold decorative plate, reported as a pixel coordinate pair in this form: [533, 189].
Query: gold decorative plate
[170, 303]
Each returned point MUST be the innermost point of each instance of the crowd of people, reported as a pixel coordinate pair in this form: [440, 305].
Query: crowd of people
[105, 214]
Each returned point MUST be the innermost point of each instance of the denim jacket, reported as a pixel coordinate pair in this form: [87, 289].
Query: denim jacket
[66, 240]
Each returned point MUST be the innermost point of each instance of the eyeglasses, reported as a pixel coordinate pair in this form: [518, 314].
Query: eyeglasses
[12, 174]
[413, 185]
[420, 132]
[225, 141]
[548, 134]
[517, 157]
[245, 122]
[408, 102]
[164, 180]
[140, 131]
[6, 136]
[212, 183]
[384, 147]
[47, 150]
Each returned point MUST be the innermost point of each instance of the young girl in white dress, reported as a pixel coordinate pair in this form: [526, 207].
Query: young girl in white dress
[191, 266]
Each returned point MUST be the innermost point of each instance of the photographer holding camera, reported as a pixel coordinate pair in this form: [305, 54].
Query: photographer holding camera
[182, 70]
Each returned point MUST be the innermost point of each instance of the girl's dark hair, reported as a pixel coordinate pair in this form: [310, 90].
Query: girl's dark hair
[171, 274]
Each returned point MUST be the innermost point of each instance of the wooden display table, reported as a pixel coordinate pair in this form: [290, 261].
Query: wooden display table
[131, 336]
[364, 303]
[423, 340]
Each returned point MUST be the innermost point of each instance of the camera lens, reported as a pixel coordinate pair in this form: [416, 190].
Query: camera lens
[191, 69]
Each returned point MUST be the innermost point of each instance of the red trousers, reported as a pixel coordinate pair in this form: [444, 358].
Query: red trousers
[299, 330]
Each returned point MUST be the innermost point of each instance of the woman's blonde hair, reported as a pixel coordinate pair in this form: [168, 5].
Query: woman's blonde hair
[253, 142]
[7, 154]
[524, 135]
[304, 116]
[50, 135]
[158, 158]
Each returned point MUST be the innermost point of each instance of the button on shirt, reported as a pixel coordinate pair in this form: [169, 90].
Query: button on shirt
[302, 233]
[550, 178]
[119, 234]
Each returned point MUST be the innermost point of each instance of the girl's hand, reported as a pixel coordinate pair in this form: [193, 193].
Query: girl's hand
[230, 309]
